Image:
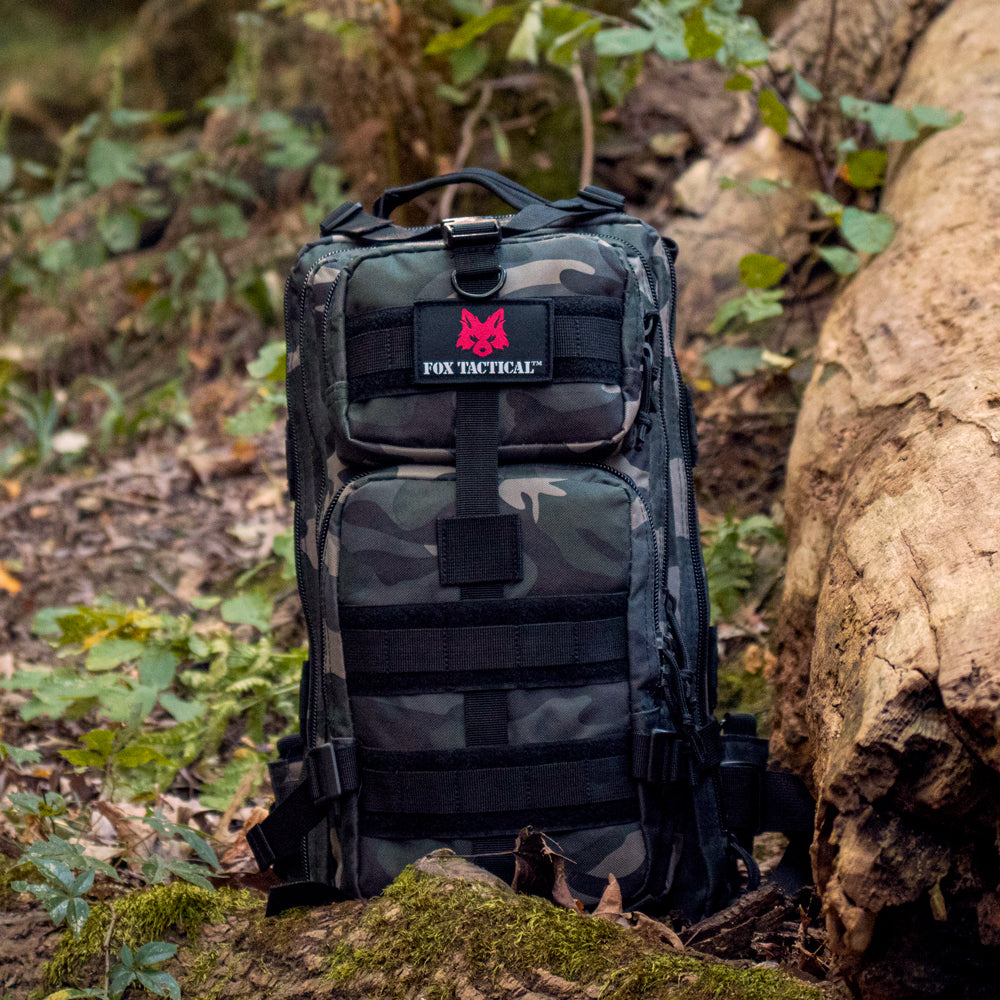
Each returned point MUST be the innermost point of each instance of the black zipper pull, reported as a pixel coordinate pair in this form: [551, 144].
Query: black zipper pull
[647, 400]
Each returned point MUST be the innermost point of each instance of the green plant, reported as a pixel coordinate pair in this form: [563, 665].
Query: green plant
[166, 688]
[731, 548]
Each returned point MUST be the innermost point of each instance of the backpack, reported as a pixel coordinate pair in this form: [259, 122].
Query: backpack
[490, 453]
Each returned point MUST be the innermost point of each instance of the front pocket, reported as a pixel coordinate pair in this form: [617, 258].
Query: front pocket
[562, 342]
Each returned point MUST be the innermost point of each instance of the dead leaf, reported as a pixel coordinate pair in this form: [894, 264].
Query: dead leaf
[239, 859]
[610, 906]
[12, 487]
[540, 871]
[9, 583]
[655, 929]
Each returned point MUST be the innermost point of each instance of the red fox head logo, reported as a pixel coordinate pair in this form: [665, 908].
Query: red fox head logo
[482, 337]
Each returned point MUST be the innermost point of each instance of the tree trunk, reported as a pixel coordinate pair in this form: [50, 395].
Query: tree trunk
[889, 679]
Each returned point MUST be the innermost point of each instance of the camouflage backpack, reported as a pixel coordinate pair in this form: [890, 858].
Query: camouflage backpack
[490, 451]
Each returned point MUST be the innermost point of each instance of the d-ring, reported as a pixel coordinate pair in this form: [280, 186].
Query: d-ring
[479, 295]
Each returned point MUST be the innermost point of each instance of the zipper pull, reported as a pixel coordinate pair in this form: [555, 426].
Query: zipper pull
[647, 400]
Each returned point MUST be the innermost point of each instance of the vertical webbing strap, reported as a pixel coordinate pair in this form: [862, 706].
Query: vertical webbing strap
[477, 471]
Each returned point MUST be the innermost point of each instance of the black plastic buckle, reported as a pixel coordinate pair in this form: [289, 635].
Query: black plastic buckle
[470, 231]
[339, 216]
[323, 774]
[262, 852]
[663, 760]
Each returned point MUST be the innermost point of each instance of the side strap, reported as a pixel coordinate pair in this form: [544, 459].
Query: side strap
[330, 771]
[286, 897]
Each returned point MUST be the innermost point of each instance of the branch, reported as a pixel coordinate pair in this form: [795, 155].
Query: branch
[586, 122]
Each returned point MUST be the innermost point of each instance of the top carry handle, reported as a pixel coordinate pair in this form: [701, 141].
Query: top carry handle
[516, 195]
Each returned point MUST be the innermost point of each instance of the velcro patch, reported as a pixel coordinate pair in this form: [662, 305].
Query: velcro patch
[499, 342]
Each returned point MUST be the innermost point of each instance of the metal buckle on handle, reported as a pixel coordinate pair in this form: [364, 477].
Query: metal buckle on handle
[470, 230]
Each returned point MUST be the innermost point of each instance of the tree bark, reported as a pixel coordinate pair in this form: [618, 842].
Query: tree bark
[888, 679]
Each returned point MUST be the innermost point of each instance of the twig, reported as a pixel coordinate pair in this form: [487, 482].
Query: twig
[107, 951]
[586, 122]
[824, 73]
[466, 145]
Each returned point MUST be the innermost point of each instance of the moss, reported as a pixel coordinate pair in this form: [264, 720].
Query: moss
[420, 918]
[687, 978]
[424, 933]
[140, 917]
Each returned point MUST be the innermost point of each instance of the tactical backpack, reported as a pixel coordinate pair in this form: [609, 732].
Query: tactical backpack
[490, 452]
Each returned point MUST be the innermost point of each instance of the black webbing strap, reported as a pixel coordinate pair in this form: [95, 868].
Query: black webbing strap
[757, 799]
[495, 779]
[485, 647]
[479, 549]
[330, 770]
[663, 756]
[285, 897]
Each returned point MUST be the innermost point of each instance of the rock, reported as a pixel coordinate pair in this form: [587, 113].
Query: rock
[722, 225]
[888, 676]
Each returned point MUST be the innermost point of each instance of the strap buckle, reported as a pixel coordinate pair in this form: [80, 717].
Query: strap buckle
[323, 775]
[262, 852]
[470, 231]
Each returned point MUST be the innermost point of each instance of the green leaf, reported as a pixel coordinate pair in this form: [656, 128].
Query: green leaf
[806, 89]
[472, 29]
[467, 63]
[227, 218]
[162, 984]
[153, 953]
[842, 260]
[109, 161]
[698, 40]
[7, 171]
[111, 653]
[212, 284]
[46, 621]
[255, 419]
[57, 257]
[623, 41]
[760, 270]
[524, 45]
[248, 609]
[270, 362]
[99, 741]
[84, 758]
[19, 755]
[726, 364]
[180, 709]
[827, 204]
[120, 231]
[889, 123]
[157, 667]
[137, 756]
[869, 232]
[938, 119]
[669, 42]
[121, 976]
[866, 168]
[772, 112]
[739, 82]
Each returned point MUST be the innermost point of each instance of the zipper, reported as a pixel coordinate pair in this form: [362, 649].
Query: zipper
[324, 530]
[657, 560]
[694, 536]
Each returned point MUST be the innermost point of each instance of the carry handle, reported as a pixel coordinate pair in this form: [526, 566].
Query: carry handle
[516, 195]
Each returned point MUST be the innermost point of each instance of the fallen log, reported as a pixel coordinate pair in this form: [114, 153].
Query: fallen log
[888, 677]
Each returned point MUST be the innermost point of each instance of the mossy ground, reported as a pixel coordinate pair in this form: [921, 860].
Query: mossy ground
[422, 922]
[139, 917]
